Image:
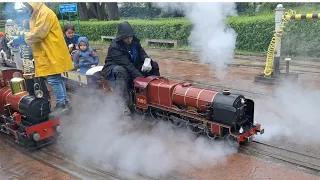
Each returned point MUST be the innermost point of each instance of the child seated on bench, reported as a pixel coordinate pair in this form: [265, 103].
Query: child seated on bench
[84, 58]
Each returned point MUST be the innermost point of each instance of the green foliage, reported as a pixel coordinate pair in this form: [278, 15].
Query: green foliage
[54, 6]
[146, 11]
[301, 38]
[138, 10]
[254, 33]
[154, 29]
[242, 6]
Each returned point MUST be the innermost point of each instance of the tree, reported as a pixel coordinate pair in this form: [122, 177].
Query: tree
[113, 11]
[242, 6]
[98, 10]
[83, 11]
[2, 8]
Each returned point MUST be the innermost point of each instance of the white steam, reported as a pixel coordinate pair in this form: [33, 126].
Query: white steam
[18, 6]
[152, 148]
[210, 34]
[292, 114]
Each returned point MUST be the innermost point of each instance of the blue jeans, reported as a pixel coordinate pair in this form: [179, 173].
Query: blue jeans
[59, 88]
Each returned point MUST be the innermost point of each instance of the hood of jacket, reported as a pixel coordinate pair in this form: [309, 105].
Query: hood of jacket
[83, 39]
[35, 5]
[124, 30]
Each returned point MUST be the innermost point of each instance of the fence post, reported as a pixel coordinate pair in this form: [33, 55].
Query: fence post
[278, 18]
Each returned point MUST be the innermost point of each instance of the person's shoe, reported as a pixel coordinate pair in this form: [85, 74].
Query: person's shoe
[126, 110]
[59, 111]
[69, 106]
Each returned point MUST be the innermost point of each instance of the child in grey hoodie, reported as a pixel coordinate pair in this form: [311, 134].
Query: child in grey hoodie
[85, 58]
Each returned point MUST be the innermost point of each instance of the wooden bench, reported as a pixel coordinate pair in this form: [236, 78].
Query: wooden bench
[174, 42]
[107, 37]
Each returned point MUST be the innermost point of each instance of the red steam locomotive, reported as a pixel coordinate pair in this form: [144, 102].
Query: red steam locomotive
[217, 114]
[24, 113]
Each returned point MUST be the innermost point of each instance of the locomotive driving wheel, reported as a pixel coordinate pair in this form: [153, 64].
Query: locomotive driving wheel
[194, 128]
[157, 116]
[153, 114]
[231, 140]
[175, 122]
[210, 135]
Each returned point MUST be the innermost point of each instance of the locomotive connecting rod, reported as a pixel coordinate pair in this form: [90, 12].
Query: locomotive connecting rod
[11, 120]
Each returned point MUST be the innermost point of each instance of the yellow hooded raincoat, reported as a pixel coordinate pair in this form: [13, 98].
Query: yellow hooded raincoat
[51, 55]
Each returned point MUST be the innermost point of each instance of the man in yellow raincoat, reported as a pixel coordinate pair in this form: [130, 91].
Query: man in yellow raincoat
[51, 55]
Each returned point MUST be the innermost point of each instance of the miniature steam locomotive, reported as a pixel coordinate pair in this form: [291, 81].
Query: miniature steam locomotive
[24, 113]
[217, 114]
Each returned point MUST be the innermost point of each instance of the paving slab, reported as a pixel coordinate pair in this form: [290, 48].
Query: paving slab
[16, 166]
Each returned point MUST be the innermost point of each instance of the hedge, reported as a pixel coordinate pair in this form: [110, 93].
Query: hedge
[157, 29]
[300, 38]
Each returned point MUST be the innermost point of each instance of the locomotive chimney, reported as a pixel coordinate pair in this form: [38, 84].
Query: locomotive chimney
[226, 92]
[30, 83]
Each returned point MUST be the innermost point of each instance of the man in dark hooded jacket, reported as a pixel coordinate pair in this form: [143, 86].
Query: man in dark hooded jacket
[127, 60]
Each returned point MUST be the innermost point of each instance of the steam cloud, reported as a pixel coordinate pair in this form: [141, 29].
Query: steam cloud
[137, 146]
[16, 11]
[293, 114]
[210, 34]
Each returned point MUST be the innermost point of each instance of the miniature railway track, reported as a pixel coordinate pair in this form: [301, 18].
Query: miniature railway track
[307, 162]
[63, 164]
[90, 167]
[186, 58]
[310, 162]
[51, 158]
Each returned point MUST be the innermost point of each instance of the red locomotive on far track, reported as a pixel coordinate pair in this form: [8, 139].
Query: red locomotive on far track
[217, 114]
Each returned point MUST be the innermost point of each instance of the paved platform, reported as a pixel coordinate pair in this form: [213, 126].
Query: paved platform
[240, 74]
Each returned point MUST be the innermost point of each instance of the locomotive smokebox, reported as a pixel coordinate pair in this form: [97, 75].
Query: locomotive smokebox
[18, 85]
[30, 83]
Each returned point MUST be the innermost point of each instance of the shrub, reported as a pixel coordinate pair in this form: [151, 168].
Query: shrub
[300, 38]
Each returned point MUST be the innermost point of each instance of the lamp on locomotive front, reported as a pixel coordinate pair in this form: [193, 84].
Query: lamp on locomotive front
[38, 93]
[18, 85]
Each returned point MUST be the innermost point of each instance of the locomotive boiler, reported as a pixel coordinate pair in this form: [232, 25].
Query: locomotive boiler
[217, 114]
[24, 113]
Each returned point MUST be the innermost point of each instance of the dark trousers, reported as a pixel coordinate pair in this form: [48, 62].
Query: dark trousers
[123, 81]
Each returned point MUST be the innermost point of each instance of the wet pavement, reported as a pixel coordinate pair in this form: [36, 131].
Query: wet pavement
[16, 166]
[239, 75]
[299, 64]
[185, 66]
[238, 166]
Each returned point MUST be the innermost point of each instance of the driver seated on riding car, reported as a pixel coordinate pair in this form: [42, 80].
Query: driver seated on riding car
[127, 60]
[84, 58]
